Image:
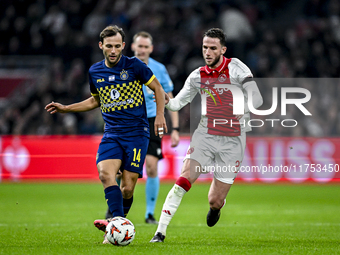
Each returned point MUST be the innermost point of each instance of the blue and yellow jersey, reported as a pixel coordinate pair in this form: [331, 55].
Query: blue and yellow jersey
[163, 77]
[121, 95]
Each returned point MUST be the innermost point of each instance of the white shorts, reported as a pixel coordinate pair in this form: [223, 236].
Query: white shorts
[221, 155]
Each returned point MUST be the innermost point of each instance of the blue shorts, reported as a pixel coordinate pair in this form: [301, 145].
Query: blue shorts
[131, 150]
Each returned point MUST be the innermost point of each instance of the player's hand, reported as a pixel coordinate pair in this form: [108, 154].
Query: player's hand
[174, 138]
[166, 98]
[55, 107]
[160, 126]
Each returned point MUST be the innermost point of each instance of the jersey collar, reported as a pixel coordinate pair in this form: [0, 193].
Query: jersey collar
[218, 69]
[117, 65]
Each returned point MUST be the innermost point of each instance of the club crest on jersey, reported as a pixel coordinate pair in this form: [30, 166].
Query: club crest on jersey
[124, 75]
[222, 77]
[114, 94]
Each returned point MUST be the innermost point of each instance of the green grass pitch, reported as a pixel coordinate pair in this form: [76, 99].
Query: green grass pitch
[57, 218]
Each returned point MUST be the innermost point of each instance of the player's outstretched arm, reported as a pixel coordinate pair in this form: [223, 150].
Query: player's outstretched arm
[83, 106]
[186, 94]
[160, 124]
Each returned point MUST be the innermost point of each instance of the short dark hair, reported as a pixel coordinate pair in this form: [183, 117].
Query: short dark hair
[142, 34]
[216, 33]
[111, 31]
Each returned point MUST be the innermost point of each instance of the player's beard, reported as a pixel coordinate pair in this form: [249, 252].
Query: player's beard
[215, 61]
[114, 62]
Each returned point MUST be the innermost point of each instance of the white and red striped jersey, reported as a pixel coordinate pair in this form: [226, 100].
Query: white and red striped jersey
[216, 100]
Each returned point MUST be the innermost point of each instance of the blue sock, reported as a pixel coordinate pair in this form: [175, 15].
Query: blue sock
[127, 205]
[114, 199]
[151, 192]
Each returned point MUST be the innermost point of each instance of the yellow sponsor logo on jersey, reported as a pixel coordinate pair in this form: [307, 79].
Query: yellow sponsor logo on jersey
[100, 80]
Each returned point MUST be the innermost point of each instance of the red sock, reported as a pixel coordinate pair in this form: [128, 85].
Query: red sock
[183, 183]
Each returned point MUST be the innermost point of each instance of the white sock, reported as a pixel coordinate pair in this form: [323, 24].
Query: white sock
[170, 206]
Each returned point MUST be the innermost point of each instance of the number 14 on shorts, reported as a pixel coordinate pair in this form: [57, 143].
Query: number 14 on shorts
[136, 157]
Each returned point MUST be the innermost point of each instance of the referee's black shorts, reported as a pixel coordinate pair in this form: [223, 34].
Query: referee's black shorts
[155, 143]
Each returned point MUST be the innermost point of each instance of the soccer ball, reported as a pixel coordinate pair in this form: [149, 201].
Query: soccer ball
[120, 231]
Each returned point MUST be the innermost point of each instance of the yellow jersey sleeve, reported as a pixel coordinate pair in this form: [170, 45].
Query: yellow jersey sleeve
[150, 80]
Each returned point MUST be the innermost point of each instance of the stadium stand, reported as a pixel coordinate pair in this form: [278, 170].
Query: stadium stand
[57, 41]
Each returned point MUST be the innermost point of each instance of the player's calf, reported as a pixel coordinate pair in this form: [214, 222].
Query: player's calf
[216, 202]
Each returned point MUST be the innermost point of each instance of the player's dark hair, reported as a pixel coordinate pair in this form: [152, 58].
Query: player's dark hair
[111, 31]
[142, 34]
[216, 33]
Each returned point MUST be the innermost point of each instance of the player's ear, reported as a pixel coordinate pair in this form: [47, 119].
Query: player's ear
[133, 46]
[224, 49]
[151, 49]
[123, 46]
[101, 45]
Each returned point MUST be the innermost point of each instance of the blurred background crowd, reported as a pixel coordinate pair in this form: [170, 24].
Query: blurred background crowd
[46, 48]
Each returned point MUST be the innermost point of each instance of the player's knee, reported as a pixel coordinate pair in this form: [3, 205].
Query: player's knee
[151, 168]
[151, 171]
[215, 201]
[103, 175]
[127, 191]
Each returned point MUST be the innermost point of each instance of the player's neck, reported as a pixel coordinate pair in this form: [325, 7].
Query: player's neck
[220, 61]
[107, 63]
